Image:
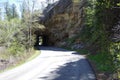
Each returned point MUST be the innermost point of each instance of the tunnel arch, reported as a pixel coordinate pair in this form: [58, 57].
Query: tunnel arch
[42, 38]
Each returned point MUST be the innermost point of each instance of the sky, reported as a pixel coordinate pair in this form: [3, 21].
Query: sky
[39, 4]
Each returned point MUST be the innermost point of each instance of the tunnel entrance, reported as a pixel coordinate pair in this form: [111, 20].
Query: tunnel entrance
[41, 40]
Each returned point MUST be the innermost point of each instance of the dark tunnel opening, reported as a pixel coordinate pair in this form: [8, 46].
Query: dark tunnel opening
[41, 40]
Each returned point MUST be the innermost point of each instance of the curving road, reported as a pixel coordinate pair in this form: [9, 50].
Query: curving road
[52, 64]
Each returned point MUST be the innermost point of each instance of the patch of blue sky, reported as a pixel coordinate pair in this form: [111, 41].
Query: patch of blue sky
[39, 4]
[3, 0]
[11, 2]
[17, 4]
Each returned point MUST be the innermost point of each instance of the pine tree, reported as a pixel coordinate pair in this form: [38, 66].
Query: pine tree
[10, 11]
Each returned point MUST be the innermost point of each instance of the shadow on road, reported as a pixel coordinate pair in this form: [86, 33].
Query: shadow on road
[77, 70]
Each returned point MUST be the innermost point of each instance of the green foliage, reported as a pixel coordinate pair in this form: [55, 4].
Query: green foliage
[70, 41]
[16, 49]
[76, 1]
[103, 62]
[11, 36]
[17, 35]
[89, 21]
[83, 51]
[96, 34]
[14, 35]
[115, 52]
[11, 11]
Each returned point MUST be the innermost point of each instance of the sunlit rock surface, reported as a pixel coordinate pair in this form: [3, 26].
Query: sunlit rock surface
[63, 20]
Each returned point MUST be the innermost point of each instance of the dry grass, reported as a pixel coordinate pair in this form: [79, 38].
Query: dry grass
[3, 53]
[8, 61]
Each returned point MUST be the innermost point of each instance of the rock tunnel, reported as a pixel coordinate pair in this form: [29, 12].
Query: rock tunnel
[46, 37]
[42, 38]
[59, 21]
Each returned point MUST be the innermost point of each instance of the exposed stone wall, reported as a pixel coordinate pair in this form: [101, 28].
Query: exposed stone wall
[66, 25]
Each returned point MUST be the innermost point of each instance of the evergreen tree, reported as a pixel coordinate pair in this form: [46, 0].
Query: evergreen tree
[14, 11]
[10, 11]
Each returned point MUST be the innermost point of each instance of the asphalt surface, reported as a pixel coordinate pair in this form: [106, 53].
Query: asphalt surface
[52, 64]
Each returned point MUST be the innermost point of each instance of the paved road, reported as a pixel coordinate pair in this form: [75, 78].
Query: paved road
[52, 64]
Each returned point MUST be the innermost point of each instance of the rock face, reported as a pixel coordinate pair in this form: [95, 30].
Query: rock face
[55, 8]
[63, 21]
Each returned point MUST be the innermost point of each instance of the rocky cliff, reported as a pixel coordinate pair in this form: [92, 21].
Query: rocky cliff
[64, 22]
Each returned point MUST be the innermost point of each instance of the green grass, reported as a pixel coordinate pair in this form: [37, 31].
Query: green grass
[102, 62]
[83, 51]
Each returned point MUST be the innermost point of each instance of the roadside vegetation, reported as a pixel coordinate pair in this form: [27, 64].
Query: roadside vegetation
[17, 36]
[100, 36]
